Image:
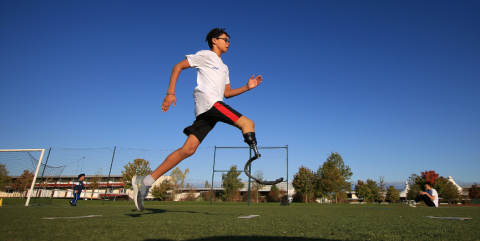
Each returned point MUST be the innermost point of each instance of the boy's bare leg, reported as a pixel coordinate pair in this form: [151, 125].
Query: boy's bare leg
[245, 124]
[191, 144]
[142, 184]
[177, 156]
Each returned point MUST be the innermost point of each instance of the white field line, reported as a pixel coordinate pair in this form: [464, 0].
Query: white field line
[89, 216]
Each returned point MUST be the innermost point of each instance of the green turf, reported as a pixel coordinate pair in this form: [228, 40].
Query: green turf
[200, 221]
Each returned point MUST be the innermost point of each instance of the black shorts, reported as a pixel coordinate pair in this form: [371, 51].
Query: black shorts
[207, 120]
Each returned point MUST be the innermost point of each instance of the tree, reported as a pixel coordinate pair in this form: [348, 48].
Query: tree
[361, 190]
[337, 160]
[24, 181]
[429, 176]
[209, 195]
[94, 183]
[474, 192]
[450, 193]
[329, 179]
[345, 172]
[191, 194]
[393, 195]
[382, 186]
[282, 195]
[414, 187]
[374, 189]
[231, 183]
[139, 167]
[258, 186]
[341, 196]
[303, 182]
[207, 185]
[178, 179]
[440, 184]
[44, 184]
[160, 191]
[274, 194]
[5, 179]
[367, 190]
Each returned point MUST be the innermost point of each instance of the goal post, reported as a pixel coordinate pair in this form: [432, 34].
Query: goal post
[42, 151]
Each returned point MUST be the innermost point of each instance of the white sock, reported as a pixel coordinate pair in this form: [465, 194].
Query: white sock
[148, 181]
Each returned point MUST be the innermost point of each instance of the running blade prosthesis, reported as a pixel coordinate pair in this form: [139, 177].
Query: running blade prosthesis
[256, 156]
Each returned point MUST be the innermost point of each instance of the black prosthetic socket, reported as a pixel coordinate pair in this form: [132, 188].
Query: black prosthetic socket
[250, 138]
[252, 142]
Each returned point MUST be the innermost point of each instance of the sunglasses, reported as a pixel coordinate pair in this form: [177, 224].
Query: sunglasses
[225, 39]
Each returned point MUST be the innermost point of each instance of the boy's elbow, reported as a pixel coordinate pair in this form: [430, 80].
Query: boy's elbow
[181, 66]
[227, 95]
[177, 68]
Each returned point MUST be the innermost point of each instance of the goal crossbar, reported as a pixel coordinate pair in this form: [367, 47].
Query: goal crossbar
[36, 171]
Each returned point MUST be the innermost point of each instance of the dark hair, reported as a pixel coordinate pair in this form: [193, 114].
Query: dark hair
[428, 183]
[79, 176]
[215, 33]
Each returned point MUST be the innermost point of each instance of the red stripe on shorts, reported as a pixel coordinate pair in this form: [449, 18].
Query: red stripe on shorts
[226, 112]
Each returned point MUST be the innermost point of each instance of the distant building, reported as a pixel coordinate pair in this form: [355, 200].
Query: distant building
[403, 193]
[62, 187]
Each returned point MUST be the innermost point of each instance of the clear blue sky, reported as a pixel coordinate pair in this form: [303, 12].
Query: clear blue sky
[393, 86]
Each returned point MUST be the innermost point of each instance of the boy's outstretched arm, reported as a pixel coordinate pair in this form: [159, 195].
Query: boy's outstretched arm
[252, 83]
[173, 82]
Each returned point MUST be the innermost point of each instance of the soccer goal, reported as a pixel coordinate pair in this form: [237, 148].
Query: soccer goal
[18, 172]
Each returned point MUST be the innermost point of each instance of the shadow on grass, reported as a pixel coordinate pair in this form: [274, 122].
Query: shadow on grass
[151, 211]
[249, 238]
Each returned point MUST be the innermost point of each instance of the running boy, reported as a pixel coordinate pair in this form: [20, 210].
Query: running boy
[213, 84]
[78, 189]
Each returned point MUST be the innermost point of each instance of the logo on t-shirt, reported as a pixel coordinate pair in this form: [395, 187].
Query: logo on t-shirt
[215, 68]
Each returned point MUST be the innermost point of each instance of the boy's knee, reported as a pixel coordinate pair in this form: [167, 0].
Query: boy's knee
[188, 151]
[251, 123]
[191, 152]
[245, 122]
[190, 146]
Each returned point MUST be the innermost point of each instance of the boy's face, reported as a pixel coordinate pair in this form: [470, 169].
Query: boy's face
[222, 43]
[427, 187]
[81, 178]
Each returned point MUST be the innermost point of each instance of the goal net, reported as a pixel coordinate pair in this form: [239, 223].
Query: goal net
[18, 170]
[104, 169]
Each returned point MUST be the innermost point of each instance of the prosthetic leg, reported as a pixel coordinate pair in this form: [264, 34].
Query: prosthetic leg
[252, 142]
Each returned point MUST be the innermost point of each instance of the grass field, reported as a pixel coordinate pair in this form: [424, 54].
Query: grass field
[200, 221]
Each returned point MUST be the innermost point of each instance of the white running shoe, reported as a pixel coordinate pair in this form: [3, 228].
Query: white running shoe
[412, 204]
[140, 191]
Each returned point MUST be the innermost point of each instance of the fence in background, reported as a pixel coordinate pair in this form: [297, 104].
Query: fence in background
[61, 166]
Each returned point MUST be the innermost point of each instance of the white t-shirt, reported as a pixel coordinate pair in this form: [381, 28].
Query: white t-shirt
[433, 192]
[212, 76]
